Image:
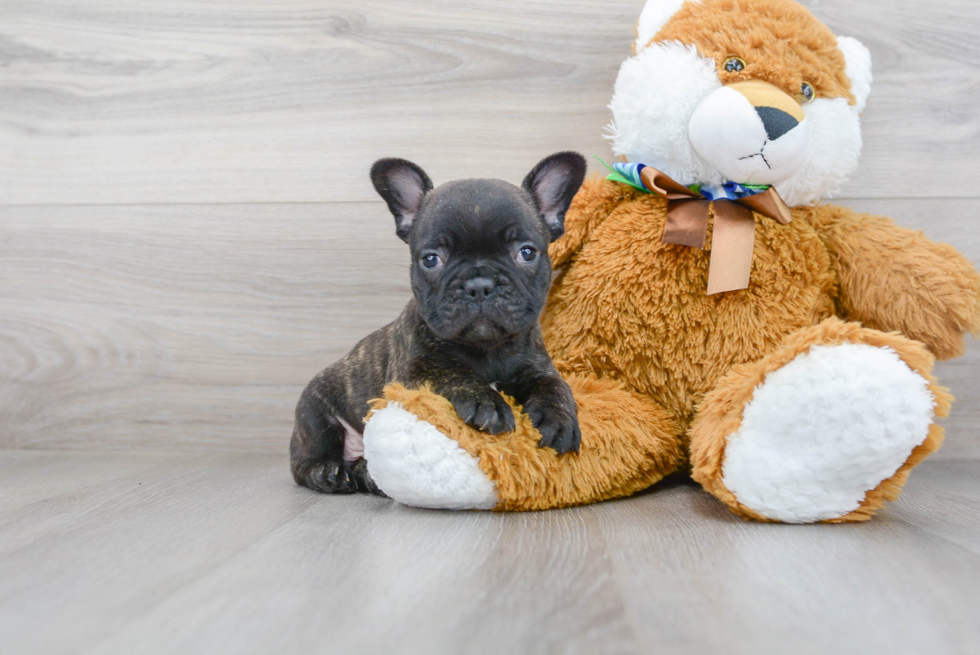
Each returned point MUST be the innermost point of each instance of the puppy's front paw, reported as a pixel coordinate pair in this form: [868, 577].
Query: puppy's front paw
[483, 408]
[557, 421]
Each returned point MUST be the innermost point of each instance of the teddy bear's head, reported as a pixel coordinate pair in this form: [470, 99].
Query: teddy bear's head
[744, 91]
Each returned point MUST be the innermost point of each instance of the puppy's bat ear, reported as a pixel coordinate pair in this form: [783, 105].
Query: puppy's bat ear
[552, 184]
[403, 185]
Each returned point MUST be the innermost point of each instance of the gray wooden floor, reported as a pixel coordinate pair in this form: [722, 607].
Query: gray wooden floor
[188, 234]
[187, 229]
[179, 553]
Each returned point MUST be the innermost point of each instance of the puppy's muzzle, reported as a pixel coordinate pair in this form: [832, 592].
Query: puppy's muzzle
[479, 289]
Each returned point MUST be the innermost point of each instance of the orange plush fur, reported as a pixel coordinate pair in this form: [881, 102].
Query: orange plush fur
[631, 445]
[782, 44]
[721, 410]
[629, 307]
[662, 370]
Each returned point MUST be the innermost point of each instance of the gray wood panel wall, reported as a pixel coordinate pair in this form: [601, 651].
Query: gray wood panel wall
[187, 231]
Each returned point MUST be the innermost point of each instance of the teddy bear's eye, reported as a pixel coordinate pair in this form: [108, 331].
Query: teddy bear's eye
[807, 93]
[734, 64]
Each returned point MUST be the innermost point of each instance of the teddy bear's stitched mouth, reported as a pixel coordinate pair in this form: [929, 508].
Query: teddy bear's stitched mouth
[761, 153]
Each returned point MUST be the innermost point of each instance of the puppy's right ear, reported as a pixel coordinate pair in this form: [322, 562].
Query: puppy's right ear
[403, 185]
[552, 184]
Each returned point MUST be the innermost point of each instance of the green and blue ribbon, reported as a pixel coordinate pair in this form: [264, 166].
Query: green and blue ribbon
[628, 173]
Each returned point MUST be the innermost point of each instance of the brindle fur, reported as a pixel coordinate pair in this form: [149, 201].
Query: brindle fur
[473, 322]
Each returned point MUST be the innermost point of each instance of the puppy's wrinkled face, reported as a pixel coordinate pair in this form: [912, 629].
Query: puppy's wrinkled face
[480, 269]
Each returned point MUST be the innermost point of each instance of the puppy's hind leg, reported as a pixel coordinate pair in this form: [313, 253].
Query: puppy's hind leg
[326, 452]
[316, 451]
[354, 463]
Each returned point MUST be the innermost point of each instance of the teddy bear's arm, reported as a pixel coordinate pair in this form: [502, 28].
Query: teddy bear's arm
[593, 203]
[895, 279]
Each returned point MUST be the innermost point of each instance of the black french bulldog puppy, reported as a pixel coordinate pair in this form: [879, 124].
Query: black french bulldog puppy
[480, 275]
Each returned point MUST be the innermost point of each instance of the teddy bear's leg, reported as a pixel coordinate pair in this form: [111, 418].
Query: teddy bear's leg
[416, 464]
[826, 428]
[420, 453]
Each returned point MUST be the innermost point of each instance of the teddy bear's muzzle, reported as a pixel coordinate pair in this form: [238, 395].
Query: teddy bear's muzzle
[751, 133]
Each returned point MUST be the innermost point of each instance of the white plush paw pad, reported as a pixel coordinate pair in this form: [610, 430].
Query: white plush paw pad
[824, 430]
[414, 463]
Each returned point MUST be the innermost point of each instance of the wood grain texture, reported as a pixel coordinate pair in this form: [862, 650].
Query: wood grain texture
[137, 101]
[221, 553]
[192, 326]
[176, 325]
[187, 235]
[196, 327]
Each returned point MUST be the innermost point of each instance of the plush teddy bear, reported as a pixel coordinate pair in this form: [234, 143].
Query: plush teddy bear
[710, 313]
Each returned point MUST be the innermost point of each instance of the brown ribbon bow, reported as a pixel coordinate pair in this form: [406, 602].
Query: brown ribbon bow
[734, 233]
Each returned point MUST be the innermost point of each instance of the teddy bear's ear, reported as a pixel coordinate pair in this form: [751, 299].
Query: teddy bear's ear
[654, 16]
[858, 59]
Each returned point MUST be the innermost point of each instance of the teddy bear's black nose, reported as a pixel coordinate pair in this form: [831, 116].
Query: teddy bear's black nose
[776, 121]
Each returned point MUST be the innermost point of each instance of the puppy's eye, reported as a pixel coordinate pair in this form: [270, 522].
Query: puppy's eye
[431, 260]
[807, 93]
[734, 64]
[527, 254]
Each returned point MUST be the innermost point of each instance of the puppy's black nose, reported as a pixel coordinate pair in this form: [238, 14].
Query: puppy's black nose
[776, 121]
[479, 288]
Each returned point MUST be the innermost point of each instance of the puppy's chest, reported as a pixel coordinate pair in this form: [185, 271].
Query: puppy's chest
[498, 371]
